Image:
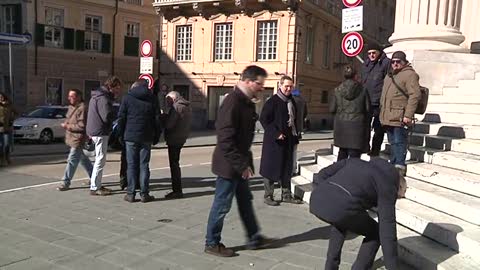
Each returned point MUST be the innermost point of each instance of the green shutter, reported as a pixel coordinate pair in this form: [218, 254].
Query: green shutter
[106, 43]
[40, 34]
[79, 40]
[69, 43]
[130, 46]
[17, 16]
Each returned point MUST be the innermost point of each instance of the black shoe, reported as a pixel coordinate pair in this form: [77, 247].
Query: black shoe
[123, 183]
[129, 198]
[174, 195]
[290, 199]
[147, 198]
[270, 201]
[260, 242]
[219, 250]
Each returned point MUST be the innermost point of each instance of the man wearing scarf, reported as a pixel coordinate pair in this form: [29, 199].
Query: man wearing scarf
[280, 137]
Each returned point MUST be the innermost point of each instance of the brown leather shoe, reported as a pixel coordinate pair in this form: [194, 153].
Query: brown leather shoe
[260, 242]
[147, 198]
[219, 250]
[63, 187]
[290, 199]
[129, 198]
[103, 191]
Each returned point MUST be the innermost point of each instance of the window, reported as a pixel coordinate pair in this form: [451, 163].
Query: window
[53, 91]
[267, 40]
[223, 41]
[132, 39]
[93, 33]
[326, 52]
[324, 99]
[10, 19]
[310, 39]
[54, 33]
[184, 43]
[133, 2]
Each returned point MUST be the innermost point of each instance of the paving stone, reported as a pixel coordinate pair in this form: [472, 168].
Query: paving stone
[287, 266]
[149, 264]
[31, 264]
[11, 237]
[188, 260]
[9, 256]
[40, 232]
[43, 250]
[137, 246]
[85, 262]
[121, 258]
[87, 231]
[84, 246]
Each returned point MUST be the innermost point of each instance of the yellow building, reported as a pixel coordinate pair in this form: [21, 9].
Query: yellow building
[206, 45]
[76, 44]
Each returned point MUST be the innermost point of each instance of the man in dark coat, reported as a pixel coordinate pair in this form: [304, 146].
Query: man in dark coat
[342, 194]
[374, 71]
[351, 105]
[278, 120]
[99, 126]
[302, 113]
[232, 162]
[177, 129]
[138, 126]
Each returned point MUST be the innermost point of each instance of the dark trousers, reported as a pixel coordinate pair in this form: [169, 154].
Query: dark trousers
[379, 131]
[344, 153]
[285, 169]
[123, 170]
[397, 138]
[138, 160]
[225, 189]
[175, 172]
[361, 224]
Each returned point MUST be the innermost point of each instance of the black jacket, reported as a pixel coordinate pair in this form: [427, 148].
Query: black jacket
[372, 184]
[350, 105]
[178, 122]
[235, 128]
[373, 74]
[138, 117]
[100, 113]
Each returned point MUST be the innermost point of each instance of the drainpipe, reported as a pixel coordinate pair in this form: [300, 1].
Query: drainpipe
[295, 42]
[160, 37]
[113, 36]
[36, 45]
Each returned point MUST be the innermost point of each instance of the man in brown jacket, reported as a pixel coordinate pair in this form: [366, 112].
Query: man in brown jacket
[400, 96]
[75, 137]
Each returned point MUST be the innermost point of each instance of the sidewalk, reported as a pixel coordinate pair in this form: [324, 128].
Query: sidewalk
[45, 229]
[196, 139]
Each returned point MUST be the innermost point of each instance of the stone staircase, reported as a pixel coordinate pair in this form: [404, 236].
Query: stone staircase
[439, 220]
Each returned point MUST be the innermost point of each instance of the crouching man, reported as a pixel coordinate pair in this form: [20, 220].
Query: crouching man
[342, 194]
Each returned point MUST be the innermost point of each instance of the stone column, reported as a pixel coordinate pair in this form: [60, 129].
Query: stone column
[428, 25]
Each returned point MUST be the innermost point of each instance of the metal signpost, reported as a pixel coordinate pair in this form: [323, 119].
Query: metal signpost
[13, 39]
[352, 23]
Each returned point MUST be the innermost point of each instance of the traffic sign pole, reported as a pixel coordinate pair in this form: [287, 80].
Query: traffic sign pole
[10, 63]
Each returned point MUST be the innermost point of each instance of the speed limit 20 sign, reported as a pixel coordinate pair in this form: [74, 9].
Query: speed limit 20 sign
[352, 44]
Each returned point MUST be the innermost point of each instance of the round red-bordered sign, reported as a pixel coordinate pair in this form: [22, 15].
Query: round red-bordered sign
[149, 79]
[146, 48]
[351, 3]
[352, 44]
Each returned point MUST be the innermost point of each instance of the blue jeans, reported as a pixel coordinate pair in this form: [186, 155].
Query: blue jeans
[138, 159]
[76, 156]
[225, 189]
[4, 144]
[397, 138]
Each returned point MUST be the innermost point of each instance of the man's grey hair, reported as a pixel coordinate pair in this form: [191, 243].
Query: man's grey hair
[174, 95]
[139, 83]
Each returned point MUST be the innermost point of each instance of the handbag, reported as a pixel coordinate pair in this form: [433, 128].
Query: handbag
[422, 102]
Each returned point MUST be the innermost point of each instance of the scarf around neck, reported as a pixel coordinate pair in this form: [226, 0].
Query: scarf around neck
[291, 111]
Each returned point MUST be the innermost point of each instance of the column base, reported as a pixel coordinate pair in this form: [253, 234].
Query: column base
[425, 45]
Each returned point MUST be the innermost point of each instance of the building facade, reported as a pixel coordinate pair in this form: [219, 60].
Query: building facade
[76, 44]
[207, 44]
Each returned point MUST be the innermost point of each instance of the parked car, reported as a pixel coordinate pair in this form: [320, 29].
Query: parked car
[41, 124]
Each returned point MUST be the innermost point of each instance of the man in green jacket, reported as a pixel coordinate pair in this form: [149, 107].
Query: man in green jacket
[400, 96]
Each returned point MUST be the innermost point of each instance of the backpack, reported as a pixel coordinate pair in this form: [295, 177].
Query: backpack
[422, 103]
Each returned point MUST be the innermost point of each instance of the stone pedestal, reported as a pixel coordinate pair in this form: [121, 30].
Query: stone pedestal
[428, 25]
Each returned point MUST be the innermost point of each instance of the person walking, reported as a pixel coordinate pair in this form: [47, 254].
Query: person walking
[350, 105]
[232, 162]
[75, 137]
[281, 135]
[6, 122]
[342, 194]
[139, 128]
[374, 71]
[99, 127]
[177, 129]
[400, 97]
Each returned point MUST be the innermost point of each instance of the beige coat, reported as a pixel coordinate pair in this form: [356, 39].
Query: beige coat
[393, 104]
[75, 135]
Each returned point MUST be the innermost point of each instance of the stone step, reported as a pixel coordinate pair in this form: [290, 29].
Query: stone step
[463, 88]
[470, 146]
[455, 160]
[455, 99]
[477, 75]
[461, 181]
[470, 118]
[448, 130]
[454, 233]
[454, 203]
[418, 153]
[454, 107]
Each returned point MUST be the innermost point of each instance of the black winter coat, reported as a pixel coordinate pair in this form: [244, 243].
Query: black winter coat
[235, 128]
[351, 107]
[371, 184]
[373, 74]
[276, 154]
[139, 116]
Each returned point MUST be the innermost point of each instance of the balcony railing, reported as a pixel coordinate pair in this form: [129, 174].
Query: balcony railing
[133, 2]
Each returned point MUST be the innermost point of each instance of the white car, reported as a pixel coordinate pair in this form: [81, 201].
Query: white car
[41, 124]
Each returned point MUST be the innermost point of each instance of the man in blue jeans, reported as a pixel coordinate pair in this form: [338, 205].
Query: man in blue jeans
[138, 126]
[400, 96]
[232, 162]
